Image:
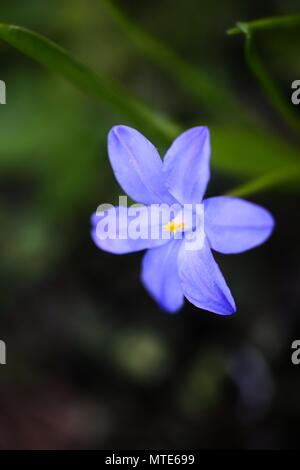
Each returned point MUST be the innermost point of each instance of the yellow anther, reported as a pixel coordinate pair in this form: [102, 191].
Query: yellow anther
[173, 227]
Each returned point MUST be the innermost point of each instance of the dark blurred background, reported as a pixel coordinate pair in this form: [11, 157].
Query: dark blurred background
[91, 360]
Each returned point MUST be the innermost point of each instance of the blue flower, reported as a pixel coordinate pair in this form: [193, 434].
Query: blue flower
[171, 271]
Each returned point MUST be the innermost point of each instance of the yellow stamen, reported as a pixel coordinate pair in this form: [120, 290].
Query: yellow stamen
[173, 227]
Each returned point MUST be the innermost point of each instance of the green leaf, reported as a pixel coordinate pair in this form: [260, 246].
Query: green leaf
[289, 174]
[59, 60]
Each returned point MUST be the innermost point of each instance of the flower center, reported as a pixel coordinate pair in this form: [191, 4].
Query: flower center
[173, 226]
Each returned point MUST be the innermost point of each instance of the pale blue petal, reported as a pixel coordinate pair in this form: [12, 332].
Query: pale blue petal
[234, 225]
[202, 281]
[160, 276]
[186, 165]
[137, 166]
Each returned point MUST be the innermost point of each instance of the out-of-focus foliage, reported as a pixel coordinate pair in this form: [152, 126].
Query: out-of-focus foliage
[59, 60]
[92, 361]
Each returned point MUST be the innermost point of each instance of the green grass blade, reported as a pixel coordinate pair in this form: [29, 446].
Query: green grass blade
[248, 153]
[60, 61]
[278, 178]
[232, 152]
[263, 24]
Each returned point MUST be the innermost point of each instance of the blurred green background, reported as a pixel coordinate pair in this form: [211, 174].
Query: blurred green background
[91, 360]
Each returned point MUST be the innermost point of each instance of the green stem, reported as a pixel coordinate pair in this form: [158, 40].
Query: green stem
[259, 69]
[263, 77]
[281, 22]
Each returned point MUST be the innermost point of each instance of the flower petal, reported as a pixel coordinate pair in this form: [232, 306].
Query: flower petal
[120, 230]
[137, 166]
[160, 276]
[202, 281]
[186, 165]
[233, 225]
